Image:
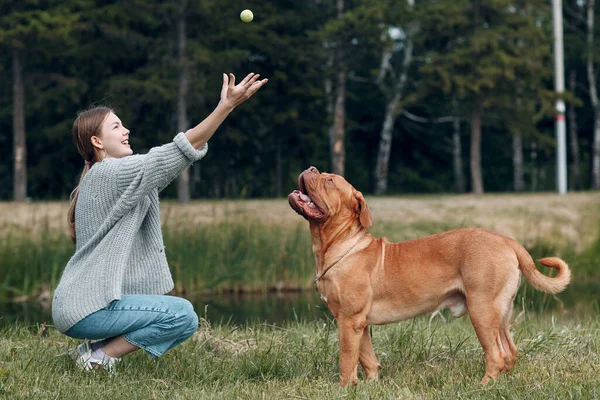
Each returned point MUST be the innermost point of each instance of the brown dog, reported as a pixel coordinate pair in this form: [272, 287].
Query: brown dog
[370, 281]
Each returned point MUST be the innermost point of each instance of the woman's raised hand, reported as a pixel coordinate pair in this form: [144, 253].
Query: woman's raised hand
[233, 95]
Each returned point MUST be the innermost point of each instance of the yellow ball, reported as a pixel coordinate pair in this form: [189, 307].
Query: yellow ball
[246, 16]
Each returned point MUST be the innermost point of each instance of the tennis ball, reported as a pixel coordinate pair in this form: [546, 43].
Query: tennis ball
[246, 16]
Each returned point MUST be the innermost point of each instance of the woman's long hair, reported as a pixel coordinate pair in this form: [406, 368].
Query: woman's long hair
[87, 124]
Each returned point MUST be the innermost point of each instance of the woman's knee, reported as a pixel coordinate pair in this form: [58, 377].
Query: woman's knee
[193, 323]
[187, 319]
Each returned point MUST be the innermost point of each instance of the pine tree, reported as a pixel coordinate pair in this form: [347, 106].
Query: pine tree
[30, 30]
[484, 51]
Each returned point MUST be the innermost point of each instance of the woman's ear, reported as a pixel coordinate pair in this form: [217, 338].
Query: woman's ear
[96, 142]
[365, 217]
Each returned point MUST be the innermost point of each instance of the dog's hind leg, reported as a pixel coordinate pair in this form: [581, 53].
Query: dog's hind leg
[367, 356]
[507, 342]
[487, 318]
[505, 300]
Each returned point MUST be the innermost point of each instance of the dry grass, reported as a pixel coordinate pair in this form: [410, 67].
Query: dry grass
[32, 217]
[222, 343]
[571, 218]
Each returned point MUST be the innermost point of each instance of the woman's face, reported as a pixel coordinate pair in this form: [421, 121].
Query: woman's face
[114, 139]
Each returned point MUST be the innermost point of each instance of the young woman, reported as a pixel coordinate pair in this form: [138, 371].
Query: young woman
[112, 289]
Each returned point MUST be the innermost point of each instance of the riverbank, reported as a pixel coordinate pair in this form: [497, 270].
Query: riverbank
[251, 246]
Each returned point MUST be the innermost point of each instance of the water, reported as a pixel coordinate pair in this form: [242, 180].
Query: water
[271, 308]
[578, 301]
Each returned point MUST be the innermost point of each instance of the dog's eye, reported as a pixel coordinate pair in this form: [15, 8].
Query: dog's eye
[330, 180]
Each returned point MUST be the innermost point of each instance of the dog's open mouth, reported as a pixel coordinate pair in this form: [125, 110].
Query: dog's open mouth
[301, 202]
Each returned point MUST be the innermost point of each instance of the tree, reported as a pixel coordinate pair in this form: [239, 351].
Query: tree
[486, 46]
[457, 160]
[263, 146]
[591, 74]
[126, 55]
[575, 24]
[573, 136]
[392, 80]
[183, 182]
[27, 30]
[337, 92]
[20, 149]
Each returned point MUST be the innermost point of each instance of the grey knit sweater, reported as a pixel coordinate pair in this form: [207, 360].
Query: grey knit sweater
[119, 247]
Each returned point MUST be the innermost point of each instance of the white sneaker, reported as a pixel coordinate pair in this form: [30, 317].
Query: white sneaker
[82, 355]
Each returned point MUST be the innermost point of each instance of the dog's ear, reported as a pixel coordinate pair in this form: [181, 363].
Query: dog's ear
[362, 209]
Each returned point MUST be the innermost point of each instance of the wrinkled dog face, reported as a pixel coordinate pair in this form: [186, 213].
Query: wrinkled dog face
[327, 197]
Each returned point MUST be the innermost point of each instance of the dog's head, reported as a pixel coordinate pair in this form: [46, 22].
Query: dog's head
[327, 197]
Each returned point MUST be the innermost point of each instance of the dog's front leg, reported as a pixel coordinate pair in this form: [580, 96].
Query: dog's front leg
[367, 356]
[350, 333]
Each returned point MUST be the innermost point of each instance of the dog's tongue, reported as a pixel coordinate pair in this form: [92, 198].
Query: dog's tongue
[305, 198]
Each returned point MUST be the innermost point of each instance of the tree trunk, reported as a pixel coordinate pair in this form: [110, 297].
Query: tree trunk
[183, 182]
[19, 147]
[338, 152]
[475, 164]
[534, 167]
[385, 146]
[196, 179]
[574, 140]
[596, 151]
[593, 96]
[278, 171]
[336, 140]
[459, 178]
[391, 110]
[517, 154]
[329, 99]
[517, 145]
[476, 179]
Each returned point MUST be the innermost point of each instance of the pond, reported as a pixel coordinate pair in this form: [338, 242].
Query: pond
[239, 309]
[578, 301]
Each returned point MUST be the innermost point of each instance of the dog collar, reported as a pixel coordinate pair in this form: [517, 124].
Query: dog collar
[318, 277]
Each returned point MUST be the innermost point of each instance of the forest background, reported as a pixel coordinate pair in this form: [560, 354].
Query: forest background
[398, 96]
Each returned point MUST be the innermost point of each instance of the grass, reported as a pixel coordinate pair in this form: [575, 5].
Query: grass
[262, 245]
[559, 359]
[259, 245]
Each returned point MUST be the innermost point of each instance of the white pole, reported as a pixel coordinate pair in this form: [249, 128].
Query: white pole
[559, 87]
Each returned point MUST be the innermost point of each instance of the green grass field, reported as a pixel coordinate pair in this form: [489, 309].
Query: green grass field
[559, 359]
[258, 245]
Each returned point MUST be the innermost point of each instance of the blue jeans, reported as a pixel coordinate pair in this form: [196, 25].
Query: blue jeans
[150, 322]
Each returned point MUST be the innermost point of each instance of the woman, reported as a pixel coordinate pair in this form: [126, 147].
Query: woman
[113, 287]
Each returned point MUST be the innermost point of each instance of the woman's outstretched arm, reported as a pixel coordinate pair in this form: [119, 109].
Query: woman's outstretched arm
[232, 95]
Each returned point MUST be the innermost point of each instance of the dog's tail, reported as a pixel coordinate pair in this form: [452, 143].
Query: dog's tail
[536, 278]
